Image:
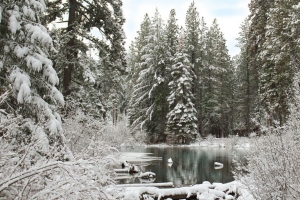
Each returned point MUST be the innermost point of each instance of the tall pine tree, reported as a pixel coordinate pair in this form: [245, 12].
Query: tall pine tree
[194, 49]
[182, 121]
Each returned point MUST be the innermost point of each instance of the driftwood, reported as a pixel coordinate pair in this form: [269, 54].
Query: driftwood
[126, 170]
[173, 197]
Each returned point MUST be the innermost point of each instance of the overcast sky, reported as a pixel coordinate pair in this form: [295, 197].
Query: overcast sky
[229, 13]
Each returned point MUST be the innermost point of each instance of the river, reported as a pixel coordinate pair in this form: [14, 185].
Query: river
[191, 164]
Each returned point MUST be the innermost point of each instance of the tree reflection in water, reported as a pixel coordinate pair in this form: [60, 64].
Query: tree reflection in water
[191, 165]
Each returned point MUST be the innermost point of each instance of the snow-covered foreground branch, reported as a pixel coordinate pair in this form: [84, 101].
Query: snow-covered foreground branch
[25, 174]
[32, 169]
[80, 179]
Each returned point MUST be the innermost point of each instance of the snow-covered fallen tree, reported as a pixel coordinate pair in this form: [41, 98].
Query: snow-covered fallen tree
[204, 191]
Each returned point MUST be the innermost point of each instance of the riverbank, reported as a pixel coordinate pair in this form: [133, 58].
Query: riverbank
[230, 142]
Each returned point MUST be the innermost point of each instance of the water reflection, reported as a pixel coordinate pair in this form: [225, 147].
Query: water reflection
[191, 165]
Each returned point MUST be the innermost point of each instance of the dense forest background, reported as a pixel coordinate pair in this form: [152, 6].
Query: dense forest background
[65, 93]
[184, 82]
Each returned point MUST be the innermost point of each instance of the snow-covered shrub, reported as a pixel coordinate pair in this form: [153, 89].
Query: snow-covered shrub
[50, 179]
[81, 129]
[273, 170]
[30, 168]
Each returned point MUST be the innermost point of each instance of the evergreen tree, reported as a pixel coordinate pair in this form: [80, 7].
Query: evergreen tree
[27, 75]
[150, 92]
[225, 78]
[134, 62]
[155, 60]
[139, 93]
[182, 121]
[172, 32]
[245, 92]
[202, 62]
[277, 70]
[211, 81]
[216, 82]
[257, 30]
[83, 70]
[294, 26]
[193, 34]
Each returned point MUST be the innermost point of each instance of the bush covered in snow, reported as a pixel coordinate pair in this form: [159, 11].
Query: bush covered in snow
[81, 129]
[34, 167]
[273, 170]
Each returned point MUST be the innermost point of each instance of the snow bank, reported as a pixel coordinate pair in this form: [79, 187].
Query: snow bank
[138, 157]
[206, 196]
[204, 191]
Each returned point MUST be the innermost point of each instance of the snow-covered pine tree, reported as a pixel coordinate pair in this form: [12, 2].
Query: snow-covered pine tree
[27, 72]
[139, 92]
[294, 26]
[172, 32]
[134, 57]
[136, 49]
[202, 62]
[277, 68]
[212, 79]
[152, 81]
[95, 62]
[244, 86]
[182, 121]
[258, 19]
[225, 90]
[155, 60]
[195, 44]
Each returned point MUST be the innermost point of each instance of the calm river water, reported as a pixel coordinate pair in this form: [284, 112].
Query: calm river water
[191, 165]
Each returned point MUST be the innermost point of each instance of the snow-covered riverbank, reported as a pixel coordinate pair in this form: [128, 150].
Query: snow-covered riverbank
[231, 142]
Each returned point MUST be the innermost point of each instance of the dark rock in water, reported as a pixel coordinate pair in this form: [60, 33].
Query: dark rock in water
[133, 169]
[124, 164]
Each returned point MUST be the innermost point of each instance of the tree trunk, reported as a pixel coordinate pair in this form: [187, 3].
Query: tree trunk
[72, 53]
[248, 100]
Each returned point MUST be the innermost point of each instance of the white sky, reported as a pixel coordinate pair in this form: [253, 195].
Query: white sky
[229, 13]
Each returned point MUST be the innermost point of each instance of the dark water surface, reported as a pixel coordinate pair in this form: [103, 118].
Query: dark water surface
[191, 165]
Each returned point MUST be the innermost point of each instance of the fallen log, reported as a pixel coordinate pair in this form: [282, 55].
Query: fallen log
[126, 170]
[167, 184]
[205, 191]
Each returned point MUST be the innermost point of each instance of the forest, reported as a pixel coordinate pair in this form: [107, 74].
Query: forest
[69, 98]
